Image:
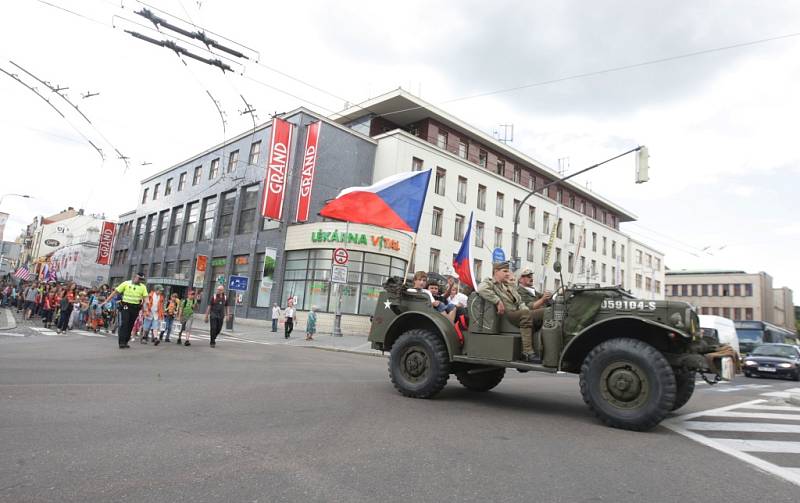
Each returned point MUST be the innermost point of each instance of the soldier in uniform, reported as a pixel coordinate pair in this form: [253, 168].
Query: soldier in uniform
[530, 296]
[506, 298]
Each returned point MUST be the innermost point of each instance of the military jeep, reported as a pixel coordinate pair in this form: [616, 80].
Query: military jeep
[637, 359]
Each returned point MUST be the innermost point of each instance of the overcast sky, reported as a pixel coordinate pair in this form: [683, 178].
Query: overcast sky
[720, 125]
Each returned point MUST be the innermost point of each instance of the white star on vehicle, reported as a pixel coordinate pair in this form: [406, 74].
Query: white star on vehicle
[387, 304]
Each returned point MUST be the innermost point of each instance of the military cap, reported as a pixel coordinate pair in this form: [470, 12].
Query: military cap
[526, 272]
[501, 265]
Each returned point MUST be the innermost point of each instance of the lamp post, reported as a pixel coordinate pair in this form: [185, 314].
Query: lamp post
[642, 169]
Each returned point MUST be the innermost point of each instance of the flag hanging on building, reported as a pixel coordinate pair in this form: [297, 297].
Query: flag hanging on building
[307, 171]
[395, 202]
[462, 263]
[23, 273]
[277, 169]
[106, 243]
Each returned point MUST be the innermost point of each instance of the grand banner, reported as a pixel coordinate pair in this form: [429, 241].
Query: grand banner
[106, 245]
[307, 172]
[277, 169]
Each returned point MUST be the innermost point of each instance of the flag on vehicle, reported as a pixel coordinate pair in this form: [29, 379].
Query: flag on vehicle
[394, 203]
[462, 263]
[23, 273]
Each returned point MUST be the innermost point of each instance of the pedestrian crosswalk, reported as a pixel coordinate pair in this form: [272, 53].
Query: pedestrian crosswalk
[51, 332]
[763, 432]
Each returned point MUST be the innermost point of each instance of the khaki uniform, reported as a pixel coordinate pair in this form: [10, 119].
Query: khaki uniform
[518, 311]
[527, 297]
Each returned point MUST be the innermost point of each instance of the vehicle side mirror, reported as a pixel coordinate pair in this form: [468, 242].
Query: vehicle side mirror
[557, 267]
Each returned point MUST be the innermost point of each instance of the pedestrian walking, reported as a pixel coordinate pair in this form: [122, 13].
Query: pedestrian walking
[218, 308]
[288, 322]
[173, 304]
[48, 308]
[153, 310]
[65, 309]
[276, 316]
[311, 324]
[133, 293]
[186, 315]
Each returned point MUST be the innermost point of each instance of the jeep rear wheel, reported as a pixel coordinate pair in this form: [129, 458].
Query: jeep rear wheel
[684, 382]
[628, 384]
[482, 380]
[418, 364]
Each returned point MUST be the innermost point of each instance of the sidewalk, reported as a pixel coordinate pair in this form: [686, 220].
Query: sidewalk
[242, 332]
[7, 320]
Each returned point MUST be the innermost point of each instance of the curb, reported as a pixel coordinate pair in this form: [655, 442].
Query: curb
[340, 350]
[12, 322]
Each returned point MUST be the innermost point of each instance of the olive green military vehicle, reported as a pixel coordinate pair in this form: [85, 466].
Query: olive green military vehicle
[637, 359]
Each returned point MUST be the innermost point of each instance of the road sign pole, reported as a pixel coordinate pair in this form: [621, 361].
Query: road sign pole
[337, 319]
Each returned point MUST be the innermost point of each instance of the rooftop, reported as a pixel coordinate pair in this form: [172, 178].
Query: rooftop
[687, 272]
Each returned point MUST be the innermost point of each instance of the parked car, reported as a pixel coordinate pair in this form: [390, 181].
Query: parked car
[773, 360]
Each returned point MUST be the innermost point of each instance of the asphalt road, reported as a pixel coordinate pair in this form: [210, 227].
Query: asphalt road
[81, 420]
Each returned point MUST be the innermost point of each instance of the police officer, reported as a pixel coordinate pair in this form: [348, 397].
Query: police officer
[506, 298]
[133, 293]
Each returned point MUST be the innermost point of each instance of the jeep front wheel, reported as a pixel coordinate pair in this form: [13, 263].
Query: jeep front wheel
[628, 384]
[684, 382]
[418, 364]
[482, 379]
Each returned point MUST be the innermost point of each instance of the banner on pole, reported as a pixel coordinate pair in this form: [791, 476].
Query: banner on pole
[200, 271]
[267, 277]
[277, 169]
[307, 171]
[106, 245]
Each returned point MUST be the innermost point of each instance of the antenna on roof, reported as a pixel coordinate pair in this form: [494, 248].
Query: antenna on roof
[563, 166]
[504, 133]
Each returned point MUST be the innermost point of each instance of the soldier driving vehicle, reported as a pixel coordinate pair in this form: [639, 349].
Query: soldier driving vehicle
[637, 359]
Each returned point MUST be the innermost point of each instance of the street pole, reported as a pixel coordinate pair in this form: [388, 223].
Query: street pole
[515, 237]
[337, 319]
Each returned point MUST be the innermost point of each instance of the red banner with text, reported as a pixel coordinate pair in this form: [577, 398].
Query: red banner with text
[307, 171]
[106, 243]
[277, 169]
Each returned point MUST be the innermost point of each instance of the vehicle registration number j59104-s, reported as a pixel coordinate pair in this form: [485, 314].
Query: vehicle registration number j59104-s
[629, 305]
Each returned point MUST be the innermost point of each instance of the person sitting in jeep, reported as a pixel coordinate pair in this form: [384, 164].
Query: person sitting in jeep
[530, 296]
[497, 290]
[432, 290]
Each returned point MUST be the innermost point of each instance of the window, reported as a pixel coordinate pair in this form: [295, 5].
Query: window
[462, 150]
[461, 195]
[182, 181]
[458, 233]
[622, 278]
[169, 269]
[622, 253]
[594, 269]
[638, 256]
[583, 266]
[241, 265]
[639, 280]
[183, 269]
[479, 234]
[594, 241]
[436, 222]
[163, 228]
[247, 211]
[233, 160]
[570, 262]
[572, 233]
[433, 261]
[648, 260]
[603, 273]
[498, 208]
[604, 245]
[207, 225]
[544, 252]
[500, 168]
[546, 222]
[658, 287]
[726, 312]
[517, 177]
[748, 313]
[214, 169]
[559, 195]
[693, 289]
[481, 197]
[155, 269]
[704, 290]
[613, 275]
[198, 172]
[613, 249]
[531, 182]
[168, 187]
[192, 210]
[594, 212]
[648, 284]
[531, 217]
[441, 140]
[175, 229]
[144, 195]
[440, 180]
[483, 158]
[137, 235]
[726, 291]
[149, 231]
[658, 263]
[572, 201]
[748, 290]
[416, 164]
[478, 269]
[498, 237]
[531, 244]
[737, 290]
[155, 191]
[255, 150]
[583, 207]
[227, 203]
[737, 313]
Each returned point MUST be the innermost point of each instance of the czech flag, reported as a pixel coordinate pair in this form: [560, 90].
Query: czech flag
[394, 203]
[462, 263]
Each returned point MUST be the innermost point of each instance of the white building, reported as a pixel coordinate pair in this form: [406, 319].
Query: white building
[474, 172]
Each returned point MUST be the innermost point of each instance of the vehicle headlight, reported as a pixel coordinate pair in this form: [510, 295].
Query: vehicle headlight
[785, 365]
[750, 363]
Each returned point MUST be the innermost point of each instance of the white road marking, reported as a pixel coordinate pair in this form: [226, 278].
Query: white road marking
[782, 394]
[45, 331]
[761, 445]
[748, 427]
[757, 415]
[9, 334]
[788, 408]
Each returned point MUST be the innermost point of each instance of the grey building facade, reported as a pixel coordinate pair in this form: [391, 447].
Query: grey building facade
[210, 205]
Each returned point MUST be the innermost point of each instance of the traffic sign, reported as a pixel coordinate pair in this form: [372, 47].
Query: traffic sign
[498, 255]
[340, 256]
[238, 283]
[339, 274]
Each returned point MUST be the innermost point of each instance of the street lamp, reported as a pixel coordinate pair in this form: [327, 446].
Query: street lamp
[642, 176]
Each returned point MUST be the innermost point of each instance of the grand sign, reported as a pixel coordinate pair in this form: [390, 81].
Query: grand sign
[106, 243]
[307, 171]
[277, 169]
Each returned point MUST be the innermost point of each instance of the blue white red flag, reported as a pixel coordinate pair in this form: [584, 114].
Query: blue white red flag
[394, 203]
[462, 263]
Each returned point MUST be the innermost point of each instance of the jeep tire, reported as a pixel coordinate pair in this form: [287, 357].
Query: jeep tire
[418, 364]
[628, 384]
[484, 380]
[684, 383]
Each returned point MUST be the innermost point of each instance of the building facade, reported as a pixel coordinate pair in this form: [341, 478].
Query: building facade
[736, 295]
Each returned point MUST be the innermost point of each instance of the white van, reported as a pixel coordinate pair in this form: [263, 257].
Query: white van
[725, 330]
